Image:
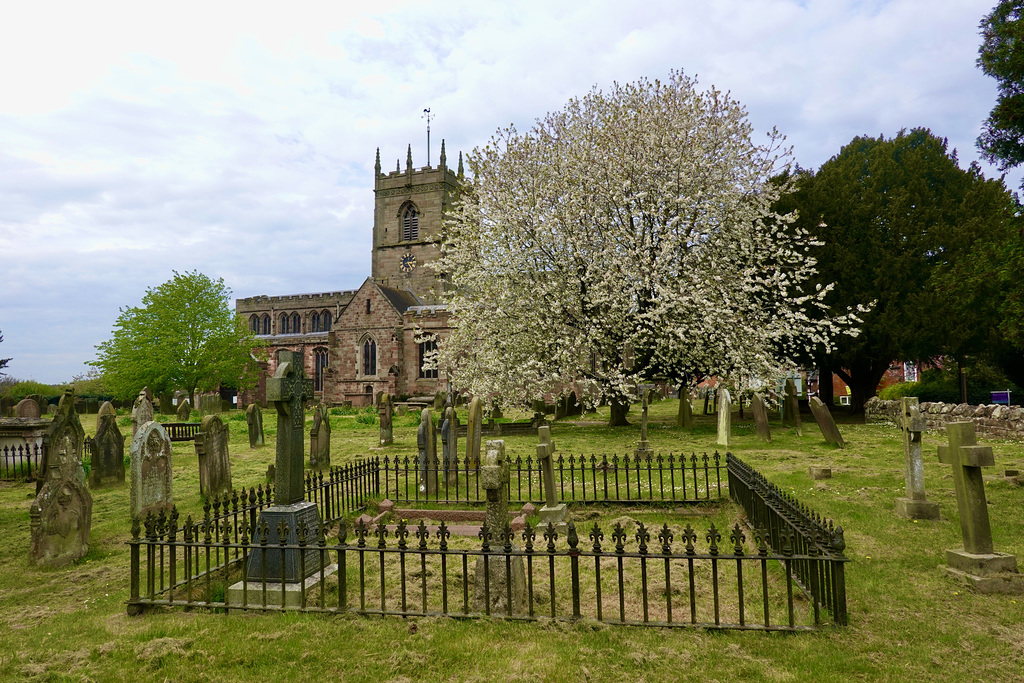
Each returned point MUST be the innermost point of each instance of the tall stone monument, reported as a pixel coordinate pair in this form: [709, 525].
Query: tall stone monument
[474, 432]
[107, 450]
[211, 444]
[142, 410]
[724, 416]
[151, 473]
[977, 562]
[427, 464]
[643, 449]
[914, 505]
[450, 444]
[320, 438]
[494, 479]
[254, 424]
[791, 408]
[826, 424]
[685, 417]
[553, 511]
[761, 426]
[385, 411]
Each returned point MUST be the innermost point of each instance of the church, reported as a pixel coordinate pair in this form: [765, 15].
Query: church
[355, 344]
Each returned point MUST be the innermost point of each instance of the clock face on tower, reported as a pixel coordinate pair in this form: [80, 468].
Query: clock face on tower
[407, 263]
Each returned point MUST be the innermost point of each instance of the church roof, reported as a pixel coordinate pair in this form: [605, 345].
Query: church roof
[401, 299]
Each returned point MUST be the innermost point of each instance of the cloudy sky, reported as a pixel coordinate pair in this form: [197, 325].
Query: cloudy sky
[138, 139]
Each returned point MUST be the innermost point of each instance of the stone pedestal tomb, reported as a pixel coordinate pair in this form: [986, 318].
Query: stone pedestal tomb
[724, 416]
[914, 505]
[254, 423]
[977, 562]
[490, 594]
[151, 474]
[214, 462]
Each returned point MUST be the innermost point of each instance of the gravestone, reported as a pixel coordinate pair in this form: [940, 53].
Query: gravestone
[142, 411]
[288, 390]
[60, 521]
[494, 480]
[826, 424]
[209, 404]
[63, 443]
[151, 487]
[450, 444]
[553, 511]
[760, 410]
[977, 562]
[439, 398]
[107, 451]
[791, 408]
[254, 422]
[474, 432]
[724, 404]
[427, 464]
[40, 401]
[385, 412]
[27, 408]
[214, 462]
[320, 438]
[6, 406]
[914, 505]
[51, 409]
[106, 409]
[643, 448]
[166, 403]
[184, 410]
[685, 417]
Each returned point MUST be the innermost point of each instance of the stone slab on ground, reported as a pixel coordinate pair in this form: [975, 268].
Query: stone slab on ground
[251, 592]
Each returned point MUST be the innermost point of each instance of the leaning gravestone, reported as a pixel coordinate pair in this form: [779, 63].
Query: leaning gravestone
[427, 464]
[320, 438]
[826, 424]
[184, 410]
[254, 421]
[27, 408]
[474, 431]
[553, 512]
[151, 476]
[491, 594]
[914, 505]
[724, 416]
[214, 463]
[385, 411]
[142, 411]
[791, 408]
[107, 451]
[106, 409]
[760, 410]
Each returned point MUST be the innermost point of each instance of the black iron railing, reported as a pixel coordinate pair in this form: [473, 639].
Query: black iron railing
[21, 461]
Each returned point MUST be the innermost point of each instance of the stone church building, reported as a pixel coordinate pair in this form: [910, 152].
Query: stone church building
[355, 344]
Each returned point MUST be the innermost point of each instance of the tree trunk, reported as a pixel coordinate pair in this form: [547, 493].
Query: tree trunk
[617, 413]
[825, 392]
[863, 380]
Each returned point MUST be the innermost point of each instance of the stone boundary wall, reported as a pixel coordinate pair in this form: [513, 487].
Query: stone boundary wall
[1001, 422]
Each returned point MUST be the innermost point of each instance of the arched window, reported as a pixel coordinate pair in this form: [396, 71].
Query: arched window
[367, 305]
[254, 323]
[284, 324]
[296, 323]
[266, 323]
[325, 321]
[410, 223]
[427, 351]
[314, 322]
[320, 364]
[369, 357]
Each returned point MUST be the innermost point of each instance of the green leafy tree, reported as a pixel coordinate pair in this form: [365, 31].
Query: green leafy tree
[183, 336]
[900, 224]
[1001, 56]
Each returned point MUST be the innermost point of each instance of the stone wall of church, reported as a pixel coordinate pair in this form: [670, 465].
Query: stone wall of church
[303, 304]
[418, 320]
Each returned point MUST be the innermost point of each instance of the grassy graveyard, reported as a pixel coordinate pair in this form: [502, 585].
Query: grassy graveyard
[908, 620]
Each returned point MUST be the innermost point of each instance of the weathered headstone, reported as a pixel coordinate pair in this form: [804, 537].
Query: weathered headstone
[142, 411]
[826, 424]
[40, 401]
[491, 594]
[643, 448]
[385, 410]
[106, 409]
[184, 410]
[450, 445]
[107, 451]
[320, 438]
[977, 560]
[914, 505]
[151, 474]
[63, 444]
[254, 422]
[439, 398]
[60, 521]
[553, 511]
[27, 408]
[685, 417]
[724, 416]
[166, 403]
[427, 464]
[288, 390]
[474, 431]
[214, 462]
[791, 408]
[760, 410]
[209, 404]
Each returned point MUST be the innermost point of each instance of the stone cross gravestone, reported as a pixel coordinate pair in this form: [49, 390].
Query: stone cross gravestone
[760, 410]
[494, 478]
[254, 423]
[142, 411]
[685, 417]
[107, 451]
[724, 416]
[427, 464]
[320, 438]
[914, 505]
[474, 432]
[385, 411]
[288, 390]
[106, 409]
[211, 444]
[151, 487]
[553, 511]
[27, 408]
[977, 558]
[826, 424]
[184, 410]
[791, 408]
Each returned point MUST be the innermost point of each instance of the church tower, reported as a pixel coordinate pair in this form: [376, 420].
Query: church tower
[408, 209]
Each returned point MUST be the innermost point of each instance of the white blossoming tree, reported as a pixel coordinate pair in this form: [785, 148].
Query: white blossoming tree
[638, 218]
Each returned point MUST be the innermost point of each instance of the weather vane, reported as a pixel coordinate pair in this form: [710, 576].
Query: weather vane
[426, 115]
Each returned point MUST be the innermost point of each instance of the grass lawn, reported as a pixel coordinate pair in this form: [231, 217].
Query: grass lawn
[908, 620]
